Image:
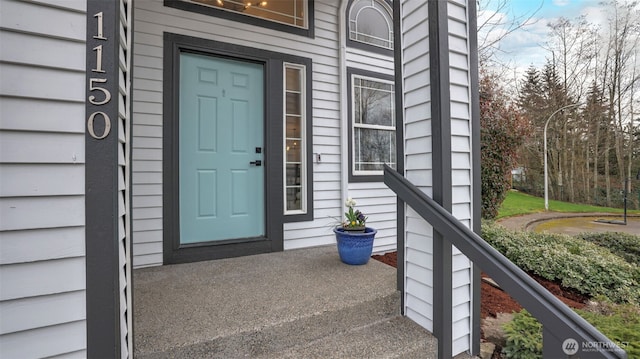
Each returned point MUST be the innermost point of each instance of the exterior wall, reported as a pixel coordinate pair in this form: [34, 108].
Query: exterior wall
[418, 160]
[419, 254]
[461, 145]
[42, 154]
[374, 198]
[151, 20]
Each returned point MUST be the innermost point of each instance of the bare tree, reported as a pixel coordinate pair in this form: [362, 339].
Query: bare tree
[496, 22]
[623, 41]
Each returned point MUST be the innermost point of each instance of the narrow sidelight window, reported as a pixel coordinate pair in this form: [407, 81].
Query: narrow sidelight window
[295, 146]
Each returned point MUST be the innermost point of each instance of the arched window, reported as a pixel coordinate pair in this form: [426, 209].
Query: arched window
[371, 22]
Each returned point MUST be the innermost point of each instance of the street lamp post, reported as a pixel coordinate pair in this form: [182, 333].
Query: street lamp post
[627, 181]
[626, 187]
[546, 172]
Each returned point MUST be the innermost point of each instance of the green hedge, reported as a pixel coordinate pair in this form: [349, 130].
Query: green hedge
[575, 263]
[619, 323]
[624, 245]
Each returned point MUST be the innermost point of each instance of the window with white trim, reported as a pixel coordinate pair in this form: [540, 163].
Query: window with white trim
[374, 125]
[371, 22]
[295, 146]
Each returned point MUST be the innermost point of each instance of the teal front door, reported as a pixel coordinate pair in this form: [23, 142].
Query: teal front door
[221, 169]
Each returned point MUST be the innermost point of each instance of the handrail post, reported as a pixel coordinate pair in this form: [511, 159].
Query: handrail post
[551, 346]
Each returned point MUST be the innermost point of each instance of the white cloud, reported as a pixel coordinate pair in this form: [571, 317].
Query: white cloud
[561, 2]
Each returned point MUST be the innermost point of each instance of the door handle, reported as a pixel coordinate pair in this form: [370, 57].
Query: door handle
[256, 163]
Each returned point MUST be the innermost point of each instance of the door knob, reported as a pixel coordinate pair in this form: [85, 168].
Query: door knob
[256, 163]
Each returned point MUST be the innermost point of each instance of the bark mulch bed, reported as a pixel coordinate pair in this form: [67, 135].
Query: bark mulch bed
[494, 300]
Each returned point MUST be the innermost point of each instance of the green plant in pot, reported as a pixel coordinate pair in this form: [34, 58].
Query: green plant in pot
[355, 220]
[353, 237]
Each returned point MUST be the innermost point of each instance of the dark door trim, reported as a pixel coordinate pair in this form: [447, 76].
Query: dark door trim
[173, 251]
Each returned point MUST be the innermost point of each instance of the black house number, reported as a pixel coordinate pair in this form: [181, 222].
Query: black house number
[101, 96]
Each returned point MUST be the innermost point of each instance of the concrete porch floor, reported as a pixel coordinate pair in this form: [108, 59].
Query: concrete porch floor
[293, 304]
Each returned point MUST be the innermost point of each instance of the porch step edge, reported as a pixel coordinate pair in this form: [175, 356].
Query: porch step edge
[290, 336]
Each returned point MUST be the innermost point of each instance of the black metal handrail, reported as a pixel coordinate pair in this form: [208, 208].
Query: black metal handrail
[559, 322]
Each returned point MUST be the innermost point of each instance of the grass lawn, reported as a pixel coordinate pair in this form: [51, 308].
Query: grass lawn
[518, 203]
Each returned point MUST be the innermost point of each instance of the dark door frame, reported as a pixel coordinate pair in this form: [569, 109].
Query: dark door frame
[173, 251]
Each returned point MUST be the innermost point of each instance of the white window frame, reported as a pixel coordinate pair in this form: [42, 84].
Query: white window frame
[355, 125]
[304, 186]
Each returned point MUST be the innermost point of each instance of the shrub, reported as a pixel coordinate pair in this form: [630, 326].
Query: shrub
[619, 323]
[624, 245]
[523, 337]
[577, 264]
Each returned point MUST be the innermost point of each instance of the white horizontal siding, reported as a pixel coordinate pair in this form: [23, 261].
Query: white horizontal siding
[42, 311]
[369, 61]
[378, 203]
[461, 164]
[45, 342]
[43, 147]
[43, 115]
[29, 44]
[42, 278]
[374, 199]
[418, 269]
[41, 180]
[41, 19]
[27, 81]
[42, 239]
[41, 244]
[418, 162]
[25, 213]
[418, 282]
[151, 21]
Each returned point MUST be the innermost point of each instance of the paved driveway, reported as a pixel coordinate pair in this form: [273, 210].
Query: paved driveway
[573, 223]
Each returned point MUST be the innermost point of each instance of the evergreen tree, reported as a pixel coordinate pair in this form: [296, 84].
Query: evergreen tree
[595, 116]
[531, 100]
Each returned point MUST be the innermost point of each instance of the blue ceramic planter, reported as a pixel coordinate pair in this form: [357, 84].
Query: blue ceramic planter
[355, 248]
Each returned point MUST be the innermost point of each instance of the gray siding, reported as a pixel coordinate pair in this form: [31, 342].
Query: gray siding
[373, 198]
[461, 153]
[418, 160]
[42, 264]
[152, 19]
[418, 165]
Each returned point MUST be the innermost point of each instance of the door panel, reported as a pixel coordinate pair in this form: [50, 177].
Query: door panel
[221, 117]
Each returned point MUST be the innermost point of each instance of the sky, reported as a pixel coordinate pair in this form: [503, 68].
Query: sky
[524, 47]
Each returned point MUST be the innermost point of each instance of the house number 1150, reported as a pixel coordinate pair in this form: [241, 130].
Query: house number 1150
[104, 96]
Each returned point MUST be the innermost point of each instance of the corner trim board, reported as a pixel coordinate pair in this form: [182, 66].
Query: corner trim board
[476, 175]
[399, 79]
[442, 182]
[101, 180]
